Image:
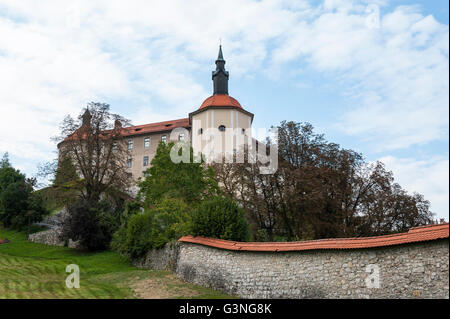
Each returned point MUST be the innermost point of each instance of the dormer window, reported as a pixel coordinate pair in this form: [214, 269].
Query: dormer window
[222, 128]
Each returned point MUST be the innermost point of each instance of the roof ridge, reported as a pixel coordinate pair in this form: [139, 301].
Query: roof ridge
[155, 123]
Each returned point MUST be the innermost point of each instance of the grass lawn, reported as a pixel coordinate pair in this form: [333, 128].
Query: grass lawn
[30, 270]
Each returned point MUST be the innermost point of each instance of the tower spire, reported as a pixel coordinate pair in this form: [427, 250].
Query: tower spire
[220, 75]
[220, 57]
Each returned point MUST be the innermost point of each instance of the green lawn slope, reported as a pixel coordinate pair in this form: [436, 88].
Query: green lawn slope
[30, 270]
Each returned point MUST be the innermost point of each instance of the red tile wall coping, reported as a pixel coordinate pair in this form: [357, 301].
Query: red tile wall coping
[416, 234]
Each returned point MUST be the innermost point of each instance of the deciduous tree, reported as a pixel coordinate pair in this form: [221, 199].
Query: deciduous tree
[320, 190]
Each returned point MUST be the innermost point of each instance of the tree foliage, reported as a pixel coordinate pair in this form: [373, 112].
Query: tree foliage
[19, 205]
[91, 177]
[320, 190]
[190, 182]
[94, 146]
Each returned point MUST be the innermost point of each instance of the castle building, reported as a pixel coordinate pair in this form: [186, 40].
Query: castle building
[219, 126]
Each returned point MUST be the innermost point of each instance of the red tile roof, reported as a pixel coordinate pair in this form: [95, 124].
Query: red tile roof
[142, 129]
[220, 100]
[416, 234]
[155, 127]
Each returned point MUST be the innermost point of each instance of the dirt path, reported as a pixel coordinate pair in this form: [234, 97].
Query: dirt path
[164, 287]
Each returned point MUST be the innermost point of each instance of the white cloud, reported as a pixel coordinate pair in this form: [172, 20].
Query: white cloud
[59, 56]
[428, 177]
[395, 76]
[55, 57]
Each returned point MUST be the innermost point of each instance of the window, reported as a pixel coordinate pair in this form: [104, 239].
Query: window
[145, 173]
[147, 142]
[130, 144]
[145, 160]
[222, 128]
[181, 137]
[164, 138]
[129, 162]
[114, 147]
[200, 131]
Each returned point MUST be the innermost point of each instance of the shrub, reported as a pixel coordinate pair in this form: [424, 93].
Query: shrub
[167, 221]
[92, 223]
[136, 238]
[220, 217]
[131, 208]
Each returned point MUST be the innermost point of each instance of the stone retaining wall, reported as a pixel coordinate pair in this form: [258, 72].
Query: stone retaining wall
[52, 237]
[418, 270]
[48, 237]
[165, 258]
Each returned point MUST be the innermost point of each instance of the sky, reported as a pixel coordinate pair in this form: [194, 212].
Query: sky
[372, 76]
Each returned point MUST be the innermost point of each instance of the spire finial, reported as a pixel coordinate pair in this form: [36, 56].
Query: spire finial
[220, 57]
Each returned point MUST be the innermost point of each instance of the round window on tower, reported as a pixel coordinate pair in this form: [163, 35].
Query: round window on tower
[200, 131]
[222, 128]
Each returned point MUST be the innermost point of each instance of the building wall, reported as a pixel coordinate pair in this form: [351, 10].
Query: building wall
[212, 118]
[139, 151]
[419, 270]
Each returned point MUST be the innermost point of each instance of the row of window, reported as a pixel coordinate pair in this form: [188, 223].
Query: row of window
[147, 141]
[221, 128]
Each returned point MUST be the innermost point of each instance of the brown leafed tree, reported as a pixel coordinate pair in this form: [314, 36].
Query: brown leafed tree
[320, 191]
[95, 143]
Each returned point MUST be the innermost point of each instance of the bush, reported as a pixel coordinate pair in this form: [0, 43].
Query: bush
[167, 221]
[172, 219]
[220, 217]
[134, 239]
[92, 223]
[131, 208]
